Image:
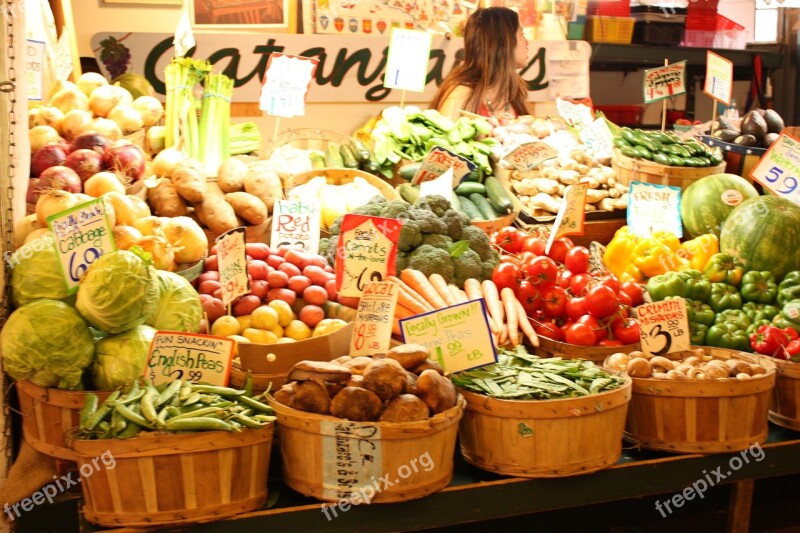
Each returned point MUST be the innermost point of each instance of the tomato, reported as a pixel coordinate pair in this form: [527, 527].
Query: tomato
[609, 342]
[575, 307]
[548, 329]
[579, 334]
[508, 239]
[601, 301]
[610, 280]
[577, 259]
[626, 331]
[541, 270]
[534, 244]
[579, 284]
[506, 274]
[635, 291]
[529, 297]
[559, 248]
[525, 257]
[564, 279]
[624, 299]
[510, 259]
[554, 300]
[600, 332]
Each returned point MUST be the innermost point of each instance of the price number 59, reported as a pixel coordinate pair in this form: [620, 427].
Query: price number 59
[787, 186]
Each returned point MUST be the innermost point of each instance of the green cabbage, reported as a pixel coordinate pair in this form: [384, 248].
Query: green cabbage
[36, 273]
[179, 307]
[48, 343]
[118, 292]
[121, 358]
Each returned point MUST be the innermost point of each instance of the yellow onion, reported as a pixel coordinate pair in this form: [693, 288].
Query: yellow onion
[187, 237]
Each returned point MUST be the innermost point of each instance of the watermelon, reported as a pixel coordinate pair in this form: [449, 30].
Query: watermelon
[764, 233]
[706, 203]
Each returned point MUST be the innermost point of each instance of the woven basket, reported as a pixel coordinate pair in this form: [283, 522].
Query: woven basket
[305, 139]
[785, 408]
[630, 169]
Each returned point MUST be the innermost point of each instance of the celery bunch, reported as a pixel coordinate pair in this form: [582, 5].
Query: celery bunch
[215, 120]
[243, 138]
[180, 119]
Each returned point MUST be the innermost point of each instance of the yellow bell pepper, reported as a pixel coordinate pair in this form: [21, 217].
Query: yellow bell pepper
[668, 238]
[632, 273]
[653, 256]
[619, 251]
[698, 250]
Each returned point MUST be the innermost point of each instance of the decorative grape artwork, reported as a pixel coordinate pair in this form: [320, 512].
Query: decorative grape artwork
[115, 56]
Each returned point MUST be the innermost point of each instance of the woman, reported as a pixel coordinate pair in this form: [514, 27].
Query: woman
[487, 82]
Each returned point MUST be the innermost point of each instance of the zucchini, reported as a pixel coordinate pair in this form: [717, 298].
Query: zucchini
[475, 175]
[333, 157]
[465, 188]
[470, 209]
[348, 157]
[497, 195]
[483, 205]
[408, 192]
[317, 160]
[407, 171]
[362, 153]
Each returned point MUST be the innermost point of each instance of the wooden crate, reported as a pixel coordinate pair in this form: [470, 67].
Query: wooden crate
[785, 407]
[629, 169]
[161, 479]
[544, 438]
[314, 448]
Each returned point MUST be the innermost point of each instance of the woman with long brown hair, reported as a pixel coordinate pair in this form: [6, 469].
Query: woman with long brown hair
[487, 82]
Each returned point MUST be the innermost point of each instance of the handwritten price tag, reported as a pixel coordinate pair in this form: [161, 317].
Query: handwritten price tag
[352, 459]
[572, 214]
[372, 327]
[598, 137]
[575, 114]
[653, 207]
[779, 169]
[232, 259]
[367, 247]
[34, 68]
[184, 38]
[286, 83]
[458, 336]
[190, 357]
[407, 61]
[296, 223]
[663, 82]
[528, 156]
[664, 326]
[82, 234]
[437, 161]
[719, 77]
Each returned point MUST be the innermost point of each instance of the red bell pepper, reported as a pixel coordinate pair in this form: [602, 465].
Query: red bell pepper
[792, 350]
[769, 340]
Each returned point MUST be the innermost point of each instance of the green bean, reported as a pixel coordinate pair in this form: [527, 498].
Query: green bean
[215, 389]
[132, 416]
[199, 423]
[247, 422]
[130, 431]
[168, 393]
[255, 404]
[148, 404]
[90, 403]
[248, 384]
[196, 413]
[105, 408]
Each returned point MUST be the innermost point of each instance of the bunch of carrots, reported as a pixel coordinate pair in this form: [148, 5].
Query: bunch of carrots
[420, 294]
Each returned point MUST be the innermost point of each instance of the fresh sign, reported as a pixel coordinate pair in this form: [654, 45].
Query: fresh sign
[653, 207]
[779, 169]
[190, 357]
[663, 82]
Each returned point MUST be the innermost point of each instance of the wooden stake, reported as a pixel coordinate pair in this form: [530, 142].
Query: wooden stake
[402, 99]
[277, 127]
[664, 105]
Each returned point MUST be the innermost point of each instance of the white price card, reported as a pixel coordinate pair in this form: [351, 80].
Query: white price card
[598, 137]
[34, 69]
[437, 161]
[352, 460]
[63, 56]
[653, 207]
[664, 326]
[372, 327]
[663, 82]
[457, 336]
[286, 83]
[184, 38]
[529, 155]
[365, 251]
[407, 64]
[571, 215]
[232, 259]
[296, 223]
[576, 114]
[81, 234]
[442, 185]
[719, 77]
[779, 169]
[190, 357]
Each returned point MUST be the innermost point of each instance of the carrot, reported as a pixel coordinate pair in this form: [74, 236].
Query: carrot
[472, 287]
[509, 300]
[440, 284]
[493, 303]
[525, 325]
[411, 292]
[401, 311]
[457, 294]
[396, 327]
[419, 283]
[405, 299]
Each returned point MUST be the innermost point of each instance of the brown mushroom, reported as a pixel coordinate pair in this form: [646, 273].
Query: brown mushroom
[318, 371]
[357, 404]
[342, 359]
[358, 364]
[737, 366]
[617, 361]
[436, 390]
[428, 363]
[411, 382]
[409, 355]
[756, 369]
[716, 371]
[356, 380]
[661, 364]
[638, 367]
[385, 377]
[285, 395]
[674, 374]
[311, 397]
[405, 408]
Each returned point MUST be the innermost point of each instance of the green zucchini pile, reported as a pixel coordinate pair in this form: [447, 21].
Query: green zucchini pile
[485, 200]
[666, 148]
[354, 154]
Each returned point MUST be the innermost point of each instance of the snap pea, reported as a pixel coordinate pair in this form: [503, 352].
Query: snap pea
[90, 403]
[215, 389]
[133, 416]
[148, 404]
[130, 398]
[102, 412]
[131, 430]
[194, 397]
[198, 424]
[255, 404]
[105, 429]
[186, 390]
[118, 423]
[247, 422]
[248, 384]
[196, 413]
[171, 390]
[161, 419]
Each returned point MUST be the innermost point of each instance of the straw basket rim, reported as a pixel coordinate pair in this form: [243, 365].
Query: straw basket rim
[630, 169]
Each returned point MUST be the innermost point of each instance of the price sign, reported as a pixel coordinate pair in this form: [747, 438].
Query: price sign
[34, 69]
[458, 336]
[443, 185]
[190, 357]
[286, 83]
[598, 137]
[664, 326]
[365, 252]
[63, 56]
[663, 82]
[437, 161]
[296, 223]
[719, 77]
[779, 169]
[82, 234]
[407, 63]
[528, 156]
[576, 114]
[572, 214]
[372, 327]
[653, 207]
[184, 38]
[232, 259]
[352, 459]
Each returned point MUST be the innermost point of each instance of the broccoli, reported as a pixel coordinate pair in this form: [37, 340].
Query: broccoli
[336, 226]
[478, 241]
[467, 265]
[377, 199]
[428, 221]
[373, 210]
[410, 236]
[439, 241]
[488, 266]
[456, 221]
[436, 203]
[429, 259]
[395, 209]
[400, 261]
[324, 242]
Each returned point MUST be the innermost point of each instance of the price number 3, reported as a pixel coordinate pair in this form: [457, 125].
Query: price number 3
[787, 186]
[667, 335]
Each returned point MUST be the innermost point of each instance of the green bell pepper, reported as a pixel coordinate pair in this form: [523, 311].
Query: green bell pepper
[698, 286]
[756, 311]
[789, 317]
[789, 287]
[752, 328]
[728, 335]
[724, 268]
[724, 296]
[699, 312]
[662, 286]
[759, 286]
[697, 333]
[735, 316]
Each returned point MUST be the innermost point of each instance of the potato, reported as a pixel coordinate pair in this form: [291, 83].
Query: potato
[247, 206]
[263, 182]
[217, 214]
[231, 175]
[189, 180]
[405, 408]
[356, 404]
[165, 199]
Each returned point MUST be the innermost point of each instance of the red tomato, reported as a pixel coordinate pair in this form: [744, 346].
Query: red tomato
[508, 238]
[506, 274]
[634, 290]
[610, 280]
[559, 249]
[579, 284]
[580, 334]
[600, 332]
[575, 307]
[525, 257]
[528, 295]
[601, 301]
[609, 342]
[577, 259]
[626, 331]
[534, 244]
[548, 329]
[510, 259]
[541, 270]
[554, 300]
[624, 299]
[564, 278]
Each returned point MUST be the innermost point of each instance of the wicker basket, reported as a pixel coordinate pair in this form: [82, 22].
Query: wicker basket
[630, 169]
[544, 438]
[316, 448]
[785, 408]
[702, 416]
[340, 176]
[175, 479]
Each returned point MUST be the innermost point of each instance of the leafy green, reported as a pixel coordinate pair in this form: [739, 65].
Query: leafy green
[36, 273]
[121, 358]
[178, 304]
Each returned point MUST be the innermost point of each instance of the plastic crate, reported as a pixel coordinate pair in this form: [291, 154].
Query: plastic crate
[609, 29]
[725, 34]
[622, 114]
[664, 33]
[609, 9]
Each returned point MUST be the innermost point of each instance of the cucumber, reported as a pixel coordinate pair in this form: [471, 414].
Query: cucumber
[317, 160]
[629, 151]
[333, 157]
[360, 150]
[483, 205]
[371, 165]
[675, 161]
[465, 188]
[470, 209]
[408, 192]
[497, 195]
[407, 171]
[348, 157]
[661, 158]
[619, 142]
[475, 175]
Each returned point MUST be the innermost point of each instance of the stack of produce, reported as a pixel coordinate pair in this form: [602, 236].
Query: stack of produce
[696, 365]
[479, 201]
[666, 148]
[757, 128]
[527, 128]
[334, 200]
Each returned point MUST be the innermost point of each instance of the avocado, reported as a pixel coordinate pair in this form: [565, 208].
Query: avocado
[769, 138]
[754, 124]
[774, 121]
[724, 123]
[727, 135]
[746, 140]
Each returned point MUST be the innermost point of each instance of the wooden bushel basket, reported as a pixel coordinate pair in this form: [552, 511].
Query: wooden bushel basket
[47, 414]
[261, 382]
[630, 169]
[702, 416]
[785, 408]
[598, 354]
[316, 448]
[544, 438]
[161, 479]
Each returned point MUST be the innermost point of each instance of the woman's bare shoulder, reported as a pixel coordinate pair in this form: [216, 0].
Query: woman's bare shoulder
[455, 100]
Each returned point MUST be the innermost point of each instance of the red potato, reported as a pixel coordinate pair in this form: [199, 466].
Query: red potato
[328, 268]
[296, 257]
[213, 250]
[211, 263]
[299, 283]
[218, 293]
[275, 260]
[317, 260]
[258, 269]
[257, 250]
[349, 301]
[203, 327]
[311, 315]
[210, 274]
[281, 251]
[284, 294]
[212, 307]
[315, 295]
[290, 269]
[316, 274]
[277, 279]
[259, 287]
[330, 288]
[208, 286]
[246, 305]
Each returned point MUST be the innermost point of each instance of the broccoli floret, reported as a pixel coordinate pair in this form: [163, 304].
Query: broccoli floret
[395, 209]
[440, 241]
[377, 199]
[324, 242]
[478, 241]
[434, 202]
[429, 259]
[455, 221]
[336, 226]
[373, 210]
[400, 261]
[410, 236]
[428, 221]
[467, 265]
[488, 266]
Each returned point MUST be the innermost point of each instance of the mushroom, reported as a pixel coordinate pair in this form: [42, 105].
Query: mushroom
[639, 367]
[409, 355]
[743, 375]
[716, 371]
[405, 408]
[357, 404]
[737, 366]
[675, 374]
[436, 391]
[659, 375]
[661, 364]
[320, 371]
[311, 397]
[411, 382]
[385, 377]
[358, 364]
[428, 363]
[756, 369]
[285, 395]
[695, 373]
[356, 380]
[617, 361]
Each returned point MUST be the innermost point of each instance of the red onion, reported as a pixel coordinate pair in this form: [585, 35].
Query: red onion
[126, 160]
[60, 178]
[49, 155]
[33, 192]
[91, 140]
[85, 163]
